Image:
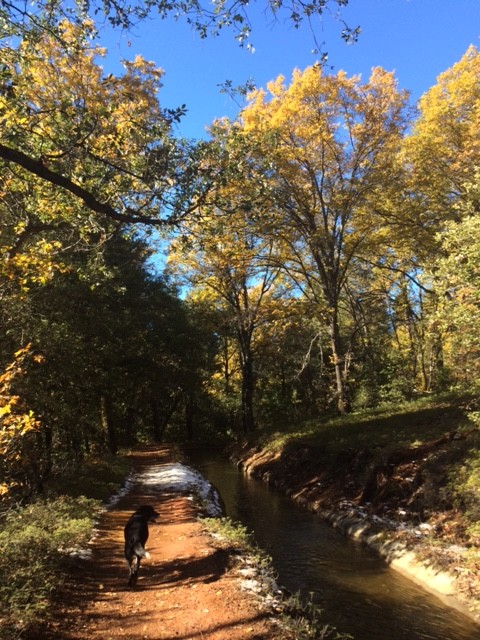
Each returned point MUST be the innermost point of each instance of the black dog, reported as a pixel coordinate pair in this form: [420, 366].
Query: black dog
[136, 535]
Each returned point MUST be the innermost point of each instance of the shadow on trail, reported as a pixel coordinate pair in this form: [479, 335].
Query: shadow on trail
[129, 627]
[187, 571]
[96, 602]
[208, 630]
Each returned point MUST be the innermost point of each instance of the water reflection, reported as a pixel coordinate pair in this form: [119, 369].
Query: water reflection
[359, 593]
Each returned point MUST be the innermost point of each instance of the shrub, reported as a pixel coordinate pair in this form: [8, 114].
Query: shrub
[37, 539]
[465, 481]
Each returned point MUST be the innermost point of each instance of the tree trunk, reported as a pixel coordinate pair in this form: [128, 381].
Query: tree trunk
[158, 425]
[160, 422]
[108, 431]
[189, 413]
[244, 337]
[248, 387]
[130, 416]
[436, 368]
[226, 365]
[343, 400]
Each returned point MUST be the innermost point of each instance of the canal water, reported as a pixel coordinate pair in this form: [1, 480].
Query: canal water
[358, 592]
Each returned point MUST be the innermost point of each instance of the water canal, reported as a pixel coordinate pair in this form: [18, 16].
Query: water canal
[359, 593]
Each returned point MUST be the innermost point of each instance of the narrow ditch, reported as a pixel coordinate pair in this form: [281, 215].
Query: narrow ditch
[359, 593]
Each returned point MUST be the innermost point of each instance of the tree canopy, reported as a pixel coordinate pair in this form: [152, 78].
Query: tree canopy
[331, 142]
[322, 249]
[88, 137]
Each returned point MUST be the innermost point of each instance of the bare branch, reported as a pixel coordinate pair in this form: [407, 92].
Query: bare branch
[36, 167]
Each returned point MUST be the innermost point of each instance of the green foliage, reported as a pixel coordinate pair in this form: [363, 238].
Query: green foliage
[465, 485]
[105, 334]
[95, 478]
[456, 273]
[108, 339]
[36, 541]
[386, 427]
[233, 532]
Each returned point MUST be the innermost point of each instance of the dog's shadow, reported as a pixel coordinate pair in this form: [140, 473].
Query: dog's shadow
[186, 570]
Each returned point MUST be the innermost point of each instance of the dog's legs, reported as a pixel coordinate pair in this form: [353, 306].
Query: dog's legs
[134, 567]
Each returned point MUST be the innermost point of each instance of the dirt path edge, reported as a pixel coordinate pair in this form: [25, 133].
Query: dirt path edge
[188, 589]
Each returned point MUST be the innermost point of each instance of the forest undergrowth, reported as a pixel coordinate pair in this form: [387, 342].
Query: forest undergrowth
[433, 498]
[43, 536]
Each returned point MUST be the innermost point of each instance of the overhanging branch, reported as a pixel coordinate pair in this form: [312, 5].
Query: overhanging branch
[36, 167]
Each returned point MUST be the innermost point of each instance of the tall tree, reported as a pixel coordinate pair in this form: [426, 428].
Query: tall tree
[221, 251]
[111, 347]
[329, 144]
[442, 156]
[455, 274]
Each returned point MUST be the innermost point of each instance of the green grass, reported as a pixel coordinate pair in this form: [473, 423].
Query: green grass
[387, 427]
[450, 474]
[37, 539]
[42, 535]
[233, 532]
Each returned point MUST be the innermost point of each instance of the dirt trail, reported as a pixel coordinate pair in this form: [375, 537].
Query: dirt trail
[187, 589]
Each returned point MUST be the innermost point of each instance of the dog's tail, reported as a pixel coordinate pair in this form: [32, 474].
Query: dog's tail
[133, 561]
[139, 550]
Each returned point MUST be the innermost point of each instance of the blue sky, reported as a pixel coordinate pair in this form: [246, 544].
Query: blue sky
[417, 38]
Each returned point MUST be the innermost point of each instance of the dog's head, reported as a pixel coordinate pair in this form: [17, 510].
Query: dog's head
[148, 512]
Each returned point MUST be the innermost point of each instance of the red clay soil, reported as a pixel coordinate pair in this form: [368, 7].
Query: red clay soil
[187, 589]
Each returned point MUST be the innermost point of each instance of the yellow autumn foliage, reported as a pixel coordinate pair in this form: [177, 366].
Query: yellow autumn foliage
[443, 150]
[16, 421]
[59, 108]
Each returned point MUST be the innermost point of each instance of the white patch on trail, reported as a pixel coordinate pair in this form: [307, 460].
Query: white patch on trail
[164, 478]
[178, 478]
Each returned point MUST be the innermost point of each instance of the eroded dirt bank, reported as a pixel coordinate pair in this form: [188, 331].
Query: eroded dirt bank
[188, 589]
[387, 512]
